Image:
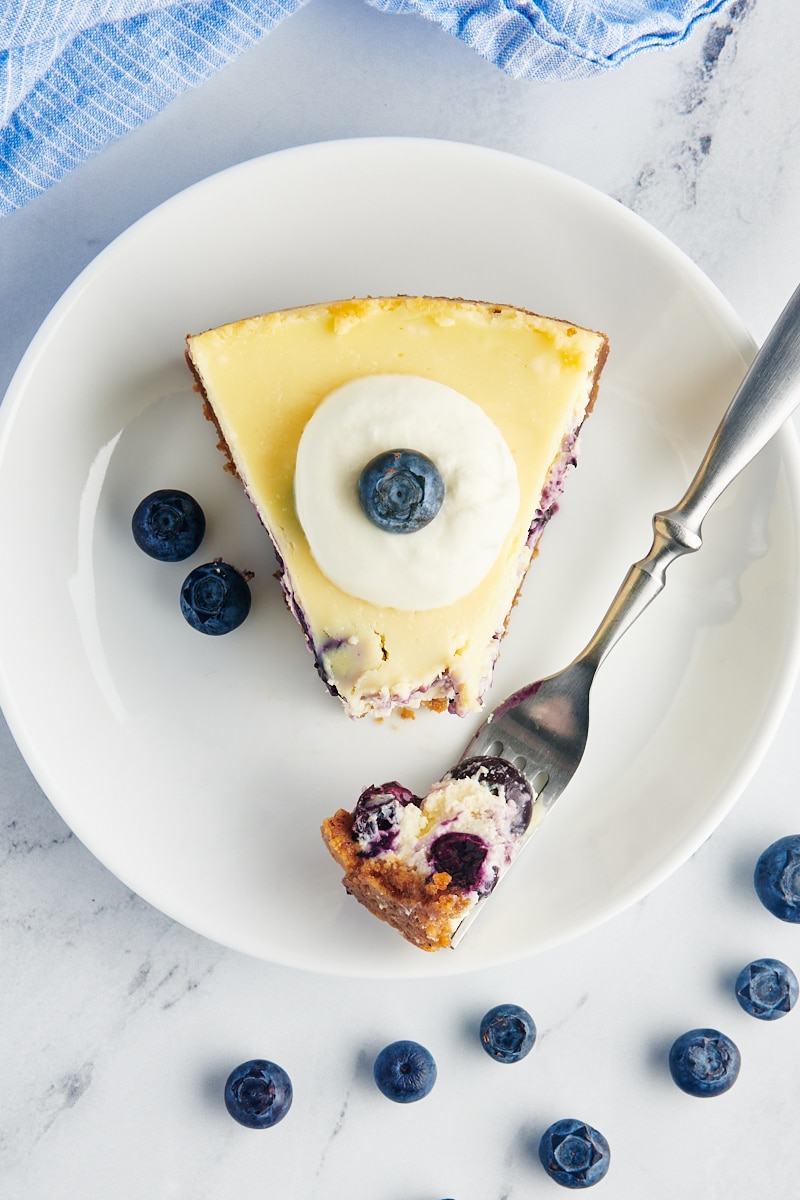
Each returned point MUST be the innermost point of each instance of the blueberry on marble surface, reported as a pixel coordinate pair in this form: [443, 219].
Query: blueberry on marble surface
[574, 1154]
[507, 1033]
[215, 598]
[777, 878]
[169, 525]
[766, 988]
[405, 1071]
[375, 824]
[496, 774]
[400, 491]
[704, 1062]
[258, 1093]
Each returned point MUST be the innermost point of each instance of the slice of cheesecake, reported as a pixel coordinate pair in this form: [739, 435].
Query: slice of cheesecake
[494, 395]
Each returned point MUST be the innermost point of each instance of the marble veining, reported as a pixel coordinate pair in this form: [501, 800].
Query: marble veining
[338, 1125]
[674, 177]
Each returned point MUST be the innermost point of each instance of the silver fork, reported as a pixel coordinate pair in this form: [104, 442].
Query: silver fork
[542, 729]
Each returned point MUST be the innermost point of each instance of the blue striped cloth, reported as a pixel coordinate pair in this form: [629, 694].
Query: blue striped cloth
[76, 74]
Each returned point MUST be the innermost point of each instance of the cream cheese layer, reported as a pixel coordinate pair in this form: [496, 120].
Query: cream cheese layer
[266, 376]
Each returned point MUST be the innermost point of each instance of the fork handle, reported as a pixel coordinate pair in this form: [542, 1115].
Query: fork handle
[766, 397]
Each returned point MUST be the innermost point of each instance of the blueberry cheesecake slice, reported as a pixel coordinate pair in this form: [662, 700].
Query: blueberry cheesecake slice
[404, 454]
[423, 863]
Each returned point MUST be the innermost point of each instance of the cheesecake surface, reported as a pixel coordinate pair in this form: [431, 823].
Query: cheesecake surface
[533, 378]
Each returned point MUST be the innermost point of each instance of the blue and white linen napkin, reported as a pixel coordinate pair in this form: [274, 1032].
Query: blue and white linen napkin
[76, 74]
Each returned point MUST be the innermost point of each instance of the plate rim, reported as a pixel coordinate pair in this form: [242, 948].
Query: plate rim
[785, 679]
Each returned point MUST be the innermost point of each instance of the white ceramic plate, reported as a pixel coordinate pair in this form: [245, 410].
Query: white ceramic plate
[199, 769]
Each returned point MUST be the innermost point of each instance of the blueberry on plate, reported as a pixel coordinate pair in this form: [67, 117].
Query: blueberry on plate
[400, 491]
[704, 1062]
[777, 878]
[258, 1093]
[168, 525]
[405, 1071]
[766, 988]
[215, 598]
[574, 1154]
[507, 1033]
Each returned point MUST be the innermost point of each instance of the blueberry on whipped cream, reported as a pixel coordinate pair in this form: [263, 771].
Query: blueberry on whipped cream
[421, 863]
[400, 491]
[411, 529]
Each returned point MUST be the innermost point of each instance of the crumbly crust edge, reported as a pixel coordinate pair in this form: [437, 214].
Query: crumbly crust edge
[423, 910]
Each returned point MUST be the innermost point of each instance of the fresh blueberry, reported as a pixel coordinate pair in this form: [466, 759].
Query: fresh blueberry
[704, 1062]
[497, 774]
[215, 598]
[461, 856]
[375, 816]
[405, 1071]
[766, 988]
[400, 491]
[777, 878]
[574, 1154]
[168, 525]
[507, 1033]
[258, 1093]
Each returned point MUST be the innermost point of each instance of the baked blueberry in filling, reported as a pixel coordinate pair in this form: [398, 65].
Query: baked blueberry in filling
[497, 774]
[375, 823]
[462, 856]
[466, 827]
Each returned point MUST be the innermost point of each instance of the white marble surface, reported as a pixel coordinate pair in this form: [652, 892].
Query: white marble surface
[117, 1026]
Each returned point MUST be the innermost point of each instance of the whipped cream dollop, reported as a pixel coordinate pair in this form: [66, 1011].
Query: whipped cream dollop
[448, 558]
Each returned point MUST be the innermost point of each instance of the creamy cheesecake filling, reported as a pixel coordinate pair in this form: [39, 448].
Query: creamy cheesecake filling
[264, 378]
[443, 561]
[467, 808]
